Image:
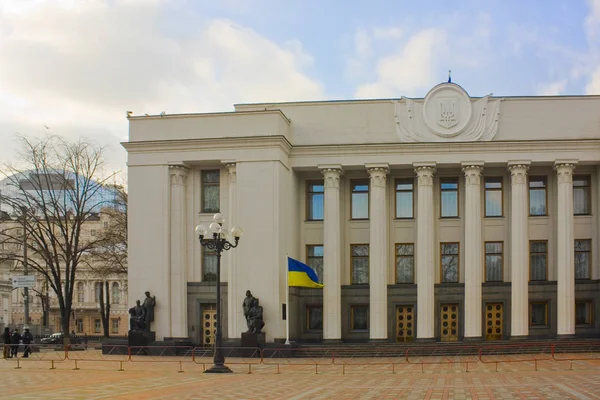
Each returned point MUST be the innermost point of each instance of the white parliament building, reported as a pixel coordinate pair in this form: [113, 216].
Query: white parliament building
[445, 218]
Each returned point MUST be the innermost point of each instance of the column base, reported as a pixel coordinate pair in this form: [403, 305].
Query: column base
[519, 337]
[331, 342]
[473, 339]
[565, 336]
[218, 369]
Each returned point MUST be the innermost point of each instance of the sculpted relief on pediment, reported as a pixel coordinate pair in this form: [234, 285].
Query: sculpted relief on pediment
[447, 114]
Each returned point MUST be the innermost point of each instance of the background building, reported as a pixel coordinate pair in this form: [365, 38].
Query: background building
[446, 218]
[90, 275]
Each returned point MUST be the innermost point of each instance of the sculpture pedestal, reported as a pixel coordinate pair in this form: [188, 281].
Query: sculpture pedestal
[140, 340]
[251, 343]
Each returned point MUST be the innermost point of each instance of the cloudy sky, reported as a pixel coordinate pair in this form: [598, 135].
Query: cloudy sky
[74, 67]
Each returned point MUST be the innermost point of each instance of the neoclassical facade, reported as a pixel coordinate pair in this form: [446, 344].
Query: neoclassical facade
[442, 218]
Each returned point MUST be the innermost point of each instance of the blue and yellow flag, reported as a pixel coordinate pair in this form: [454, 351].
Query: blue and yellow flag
[300, 274]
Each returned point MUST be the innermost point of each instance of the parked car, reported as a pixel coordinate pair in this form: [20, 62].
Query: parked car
[57, 338]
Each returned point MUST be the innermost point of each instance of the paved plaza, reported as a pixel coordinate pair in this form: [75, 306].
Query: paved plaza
[101, 377]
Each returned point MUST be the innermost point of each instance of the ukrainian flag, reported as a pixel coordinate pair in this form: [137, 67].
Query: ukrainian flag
[300, 274]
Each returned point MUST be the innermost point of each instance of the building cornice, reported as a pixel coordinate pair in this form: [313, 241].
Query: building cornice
[233, 143]
[215, 114]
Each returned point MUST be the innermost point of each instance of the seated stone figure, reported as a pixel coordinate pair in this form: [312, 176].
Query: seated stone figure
[136, 321]
[255, 317]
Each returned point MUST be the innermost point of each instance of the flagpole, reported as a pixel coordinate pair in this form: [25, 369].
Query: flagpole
[287, 301]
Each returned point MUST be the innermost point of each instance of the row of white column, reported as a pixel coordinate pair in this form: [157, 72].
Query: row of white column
[473, 242]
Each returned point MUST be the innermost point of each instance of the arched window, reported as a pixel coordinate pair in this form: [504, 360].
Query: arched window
[98, 290]
[115, 293]
[80, 292]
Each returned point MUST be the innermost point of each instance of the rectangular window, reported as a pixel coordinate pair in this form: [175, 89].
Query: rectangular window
[314, 259]
[538, 260]
[97, 326]
[405, 263]
[92, 232]
[359, 255]
[404, 198]
[449, 197]
[314, 318]
[538, 313]
[79, 326]
[209, 265]
[360, 199]
[493, 261]
[583, 313]
[114, 325]
[537, 195]
[493, 197]
[210, 191]
[583, 258]
[315, 192]
[582, 198]
[359, 318]
[449, 261]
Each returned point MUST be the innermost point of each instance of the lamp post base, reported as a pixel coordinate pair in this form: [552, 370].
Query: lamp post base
[218, 369]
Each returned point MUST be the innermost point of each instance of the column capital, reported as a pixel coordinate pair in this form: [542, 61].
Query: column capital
[231, 168]
[424, 173]
[564, 170]
[331, 173]
[178, 174]
[472, 171]
[518, 171]
[378, 173]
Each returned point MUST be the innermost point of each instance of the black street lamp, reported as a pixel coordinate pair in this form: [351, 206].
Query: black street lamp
[218, 243]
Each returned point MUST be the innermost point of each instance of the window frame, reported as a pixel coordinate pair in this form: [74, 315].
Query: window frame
[590, 316]
[588, 191]
[534, 178]
[412, 191]
[204, 184]
[79, 325]
[308, 308]
[485, 254]
[352, 308]
[310, 194]
[361, 182]
[97, 325]
[112, 325]
[457, 261]
[538, 302]
[404, 256]
[493, 179]
[309, 257]
[590, 262]
[80, 293]
[530, 255]
[204, 252]
[457, 190]
[368, 265]
[112, 293]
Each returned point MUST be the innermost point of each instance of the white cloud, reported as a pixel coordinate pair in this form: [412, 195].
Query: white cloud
[77, 66]
[387, 33]
[552, 88]
[410, 71]
[593, 86]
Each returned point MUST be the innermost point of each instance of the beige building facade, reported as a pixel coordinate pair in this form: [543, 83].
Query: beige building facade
[442, 218]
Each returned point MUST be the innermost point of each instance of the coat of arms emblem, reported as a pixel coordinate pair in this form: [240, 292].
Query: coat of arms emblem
[448, 112]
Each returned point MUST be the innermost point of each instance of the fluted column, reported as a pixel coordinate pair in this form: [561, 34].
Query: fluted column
[565, 252]
[425, 270]
[519, 249]
[234, 311]
[178, 175]
[473, 249]
[332, 263]
[378, 252]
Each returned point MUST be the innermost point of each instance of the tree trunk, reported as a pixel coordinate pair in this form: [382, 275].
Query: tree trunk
[105, 309]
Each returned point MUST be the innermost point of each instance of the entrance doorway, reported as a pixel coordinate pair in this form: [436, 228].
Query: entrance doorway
[209, 324]
[494, 320]
[449, 322]
[405, 323]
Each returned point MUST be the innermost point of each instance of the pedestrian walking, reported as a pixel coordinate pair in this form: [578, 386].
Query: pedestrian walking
[27, 339]
[16, 341]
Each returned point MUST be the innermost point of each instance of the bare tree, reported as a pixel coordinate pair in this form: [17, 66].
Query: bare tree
[60, 186]
[109, 257]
